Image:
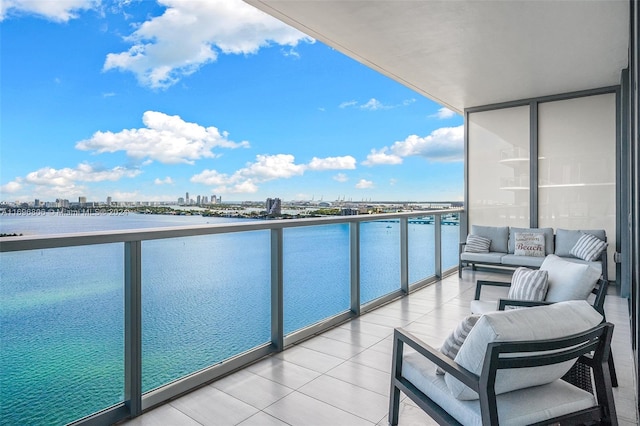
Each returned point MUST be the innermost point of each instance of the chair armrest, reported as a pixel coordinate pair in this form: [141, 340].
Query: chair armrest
[481, 283]
[463, 244]
[502, 303]
[434, 355]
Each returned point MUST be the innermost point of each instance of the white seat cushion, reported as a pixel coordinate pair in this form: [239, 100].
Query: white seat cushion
[519, 407]
[483, 306]
[537, 323]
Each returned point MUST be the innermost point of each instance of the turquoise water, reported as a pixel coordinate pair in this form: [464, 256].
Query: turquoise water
[205, 299]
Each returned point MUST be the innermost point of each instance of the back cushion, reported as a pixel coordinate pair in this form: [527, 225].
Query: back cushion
[568, 280]
[567, 238]
[499, 236]
[539, 323]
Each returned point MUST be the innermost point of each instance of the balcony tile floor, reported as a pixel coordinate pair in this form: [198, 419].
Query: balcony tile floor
[341, 377]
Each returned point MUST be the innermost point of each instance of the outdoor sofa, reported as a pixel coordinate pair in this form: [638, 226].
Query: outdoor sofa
[514, 247]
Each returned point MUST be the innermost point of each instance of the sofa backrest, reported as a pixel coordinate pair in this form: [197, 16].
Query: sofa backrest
[499, 236]
[567, 238]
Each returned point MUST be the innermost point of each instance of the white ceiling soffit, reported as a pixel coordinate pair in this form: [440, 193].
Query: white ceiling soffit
[471, 53]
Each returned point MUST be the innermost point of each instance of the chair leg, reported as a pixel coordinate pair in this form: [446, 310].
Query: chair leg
[394, 406]
[612, 371]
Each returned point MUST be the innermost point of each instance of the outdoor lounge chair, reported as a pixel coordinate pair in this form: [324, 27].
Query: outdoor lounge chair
[566, 282]
[508, 370]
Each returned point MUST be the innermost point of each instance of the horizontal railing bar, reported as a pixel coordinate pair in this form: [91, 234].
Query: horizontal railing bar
[317, 328]
[108, 416]
[37, 242]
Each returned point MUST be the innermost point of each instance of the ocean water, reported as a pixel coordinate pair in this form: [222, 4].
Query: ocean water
[205, 299]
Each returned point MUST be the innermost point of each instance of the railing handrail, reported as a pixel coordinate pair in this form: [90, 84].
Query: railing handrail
[37, 242]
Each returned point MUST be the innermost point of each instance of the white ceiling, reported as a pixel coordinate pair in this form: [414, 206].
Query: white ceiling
[470, 53]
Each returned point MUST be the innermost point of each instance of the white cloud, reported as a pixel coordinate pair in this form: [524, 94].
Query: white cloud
[267, 168]
[167, 139]
[373, 105]
[48, 176]
[66, 182]
[341, 177]
[190, 34]
[53, 10]
[165, 181]
[364, 184]
[333, 163]
[444, 113]
[377, 157]
[210, 177]
[444, 145]
[245, 180]
[348, 104]
[12, 187]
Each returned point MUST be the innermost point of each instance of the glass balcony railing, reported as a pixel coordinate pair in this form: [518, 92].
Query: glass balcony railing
[96, 327]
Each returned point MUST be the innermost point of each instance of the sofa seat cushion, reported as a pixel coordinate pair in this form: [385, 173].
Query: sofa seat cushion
[519, 407]
[569, 280]
[514, 260]
[541, 322]
[483, 306]
[499, 236]
[547, 232]
[566, 239]
[492, 257]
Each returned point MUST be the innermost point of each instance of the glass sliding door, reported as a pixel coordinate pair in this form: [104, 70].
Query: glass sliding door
[498, 167]
[577, 165]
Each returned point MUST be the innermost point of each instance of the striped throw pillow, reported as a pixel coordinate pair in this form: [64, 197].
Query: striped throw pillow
[529, 284]
[477, 244]
[588, 247]
[452, 343]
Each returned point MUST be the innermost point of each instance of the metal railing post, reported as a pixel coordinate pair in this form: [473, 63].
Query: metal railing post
[404, 255]
[437, 227]
[133, 327]
[354, 262]
[277, 299]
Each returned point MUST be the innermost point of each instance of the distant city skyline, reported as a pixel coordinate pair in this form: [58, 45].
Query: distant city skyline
[147, 100]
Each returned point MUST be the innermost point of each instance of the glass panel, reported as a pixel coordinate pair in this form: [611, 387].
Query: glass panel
[62, 333]
[421, 249]
[204, 299]
[498, 157]
[379, 259]
[316, 274]
[450, 240]
[577, 166]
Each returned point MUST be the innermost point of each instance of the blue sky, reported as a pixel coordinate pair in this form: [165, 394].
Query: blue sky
[144, 101]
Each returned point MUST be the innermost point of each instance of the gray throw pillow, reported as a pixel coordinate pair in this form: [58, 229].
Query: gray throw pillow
[589, 247]
[477, 244]
[452, 343]
[529, 284]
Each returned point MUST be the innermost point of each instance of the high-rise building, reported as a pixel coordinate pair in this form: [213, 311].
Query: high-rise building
[109, 201]
[36, 203]
[180, 201]
[274, 206]
[82, 201]
[186, 199]
[214, 200]
[198, 200]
